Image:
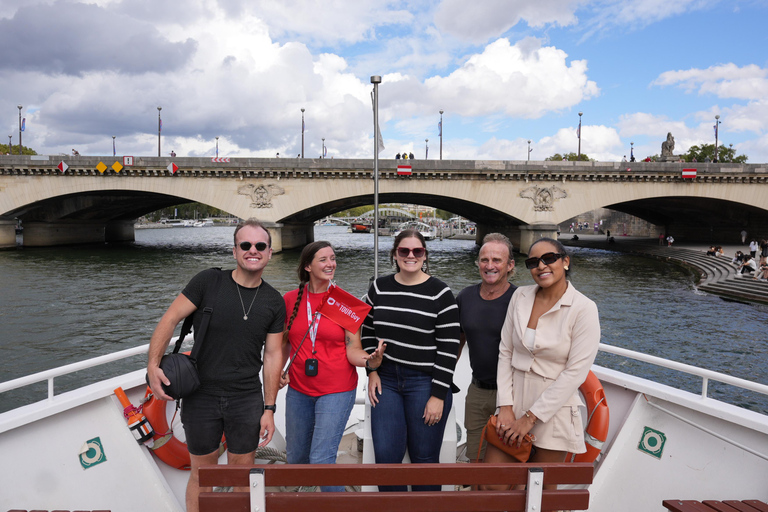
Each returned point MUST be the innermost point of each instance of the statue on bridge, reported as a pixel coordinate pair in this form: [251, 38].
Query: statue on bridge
[668, 147]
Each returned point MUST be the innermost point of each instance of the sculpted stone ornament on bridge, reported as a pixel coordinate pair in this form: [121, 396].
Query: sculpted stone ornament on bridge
[667, 149]
[543, 197]
[261, 195]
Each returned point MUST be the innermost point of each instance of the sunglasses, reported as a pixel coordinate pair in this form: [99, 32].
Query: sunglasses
[418, 252]
[548, 259]
[246, 246]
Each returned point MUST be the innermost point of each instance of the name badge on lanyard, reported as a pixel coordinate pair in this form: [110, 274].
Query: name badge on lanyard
[310, 365]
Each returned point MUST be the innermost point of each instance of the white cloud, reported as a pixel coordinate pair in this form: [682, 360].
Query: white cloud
[723, 81]
[637, 14]
[480, 21]
[331, 22]
[521, 80]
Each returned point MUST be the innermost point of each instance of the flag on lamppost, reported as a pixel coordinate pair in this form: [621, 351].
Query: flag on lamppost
[114, 151]
[578, 132]
[380, 140]
[24, 124]
[440, 128]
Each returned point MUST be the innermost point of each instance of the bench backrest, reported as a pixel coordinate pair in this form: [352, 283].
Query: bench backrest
[258, 477]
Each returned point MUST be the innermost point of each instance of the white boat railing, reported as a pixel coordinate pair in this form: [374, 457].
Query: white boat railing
[706, 375]
[49, 375]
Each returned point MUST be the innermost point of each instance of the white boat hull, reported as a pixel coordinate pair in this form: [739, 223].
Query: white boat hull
[41, 444]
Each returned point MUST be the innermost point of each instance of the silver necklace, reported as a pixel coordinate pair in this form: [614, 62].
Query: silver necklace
[246, 313]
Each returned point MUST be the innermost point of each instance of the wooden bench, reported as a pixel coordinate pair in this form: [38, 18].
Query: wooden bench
[712, 506]
[258, 477]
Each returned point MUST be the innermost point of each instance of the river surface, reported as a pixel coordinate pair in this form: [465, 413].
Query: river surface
[61, 305]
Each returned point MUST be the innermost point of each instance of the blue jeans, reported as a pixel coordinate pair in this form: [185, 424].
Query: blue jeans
[397, 421]
[314, 426]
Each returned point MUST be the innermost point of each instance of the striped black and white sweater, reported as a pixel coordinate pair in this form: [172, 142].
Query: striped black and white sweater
[419, 324]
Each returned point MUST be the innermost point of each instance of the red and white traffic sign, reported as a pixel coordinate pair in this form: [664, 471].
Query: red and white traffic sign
[173, 167]
[689, 174]
[127, 160]
[222, 160]
[404, 170]
[62, 166]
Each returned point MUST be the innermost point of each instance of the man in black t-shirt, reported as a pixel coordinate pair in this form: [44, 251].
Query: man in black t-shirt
[248, 315]
[482, 311]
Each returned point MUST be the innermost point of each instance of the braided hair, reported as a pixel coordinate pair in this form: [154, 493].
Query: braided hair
[307, 255]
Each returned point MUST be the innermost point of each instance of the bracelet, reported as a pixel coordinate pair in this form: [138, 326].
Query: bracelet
[368, 367]
[530, 417]
[272, 408]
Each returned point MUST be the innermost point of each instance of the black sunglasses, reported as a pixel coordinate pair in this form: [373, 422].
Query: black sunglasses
[418, 252]
[548, 259]
[246, 246]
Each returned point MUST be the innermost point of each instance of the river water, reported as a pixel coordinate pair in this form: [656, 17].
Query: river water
[60, 305]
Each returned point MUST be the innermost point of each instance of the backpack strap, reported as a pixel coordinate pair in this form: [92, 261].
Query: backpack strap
[186, 327]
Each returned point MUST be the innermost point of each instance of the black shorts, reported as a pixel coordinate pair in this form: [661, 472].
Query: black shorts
[207, 417]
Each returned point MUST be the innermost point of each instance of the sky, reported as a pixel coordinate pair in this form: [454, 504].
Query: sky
[504, 72]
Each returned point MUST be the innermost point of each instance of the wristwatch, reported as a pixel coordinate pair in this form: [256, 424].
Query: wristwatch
[272, 408]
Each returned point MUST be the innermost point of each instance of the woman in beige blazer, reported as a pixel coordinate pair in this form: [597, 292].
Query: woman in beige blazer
[548, 344]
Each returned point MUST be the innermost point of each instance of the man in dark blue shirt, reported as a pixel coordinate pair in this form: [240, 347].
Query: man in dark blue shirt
[482, 310]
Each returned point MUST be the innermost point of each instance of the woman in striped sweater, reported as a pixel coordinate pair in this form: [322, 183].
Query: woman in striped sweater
[416, 317]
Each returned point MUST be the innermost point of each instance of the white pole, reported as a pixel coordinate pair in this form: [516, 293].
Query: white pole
[375, 80]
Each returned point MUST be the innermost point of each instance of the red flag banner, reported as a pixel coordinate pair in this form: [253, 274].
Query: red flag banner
[404, 170]
[344, 309]
[689, 174]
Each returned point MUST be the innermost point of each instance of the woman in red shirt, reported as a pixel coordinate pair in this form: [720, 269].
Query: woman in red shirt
[323, 377]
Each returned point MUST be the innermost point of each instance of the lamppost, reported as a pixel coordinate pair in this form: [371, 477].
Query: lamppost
[426, 149]
[10, 138]
[302, 133]
[731, 155]
[529, 150]
[376, 80]
[717, 125]
[631, 151]
[323, 154]
[159, 129]
[114, 150]
[578, 133]
[20, 107]
[441, 134]
[217, 147]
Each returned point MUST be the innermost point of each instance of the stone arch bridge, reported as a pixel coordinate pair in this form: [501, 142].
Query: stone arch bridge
[89, 202]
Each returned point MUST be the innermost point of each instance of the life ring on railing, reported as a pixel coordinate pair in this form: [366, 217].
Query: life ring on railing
[598, 419]
[168, 447]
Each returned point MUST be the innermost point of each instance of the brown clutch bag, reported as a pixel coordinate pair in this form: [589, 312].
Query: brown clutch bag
[520, 453]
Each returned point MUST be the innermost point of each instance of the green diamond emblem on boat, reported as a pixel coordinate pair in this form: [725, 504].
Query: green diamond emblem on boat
[652, 442]
[92, 453]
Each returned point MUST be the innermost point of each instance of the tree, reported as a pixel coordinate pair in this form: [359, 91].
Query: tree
[15, 150]
[724, 154]
[571, 157]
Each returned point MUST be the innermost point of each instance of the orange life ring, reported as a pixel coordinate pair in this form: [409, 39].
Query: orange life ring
[596, 431]
[168, 447]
